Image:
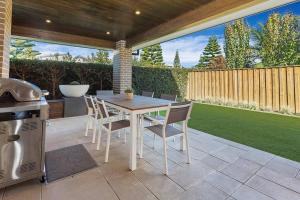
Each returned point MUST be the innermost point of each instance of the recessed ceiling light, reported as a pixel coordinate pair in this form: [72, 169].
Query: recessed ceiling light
[48, 21]
[137, 12]
[107, 33]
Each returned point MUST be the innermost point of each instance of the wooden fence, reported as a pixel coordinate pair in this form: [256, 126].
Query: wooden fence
[269, 88]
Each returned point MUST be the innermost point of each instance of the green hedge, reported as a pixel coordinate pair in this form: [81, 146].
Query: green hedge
[160, 80]
[49, 74]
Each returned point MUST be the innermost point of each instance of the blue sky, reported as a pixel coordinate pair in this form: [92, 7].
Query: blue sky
[190, 46]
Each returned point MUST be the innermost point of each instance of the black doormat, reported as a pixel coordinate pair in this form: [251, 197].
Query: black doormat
[67, 161]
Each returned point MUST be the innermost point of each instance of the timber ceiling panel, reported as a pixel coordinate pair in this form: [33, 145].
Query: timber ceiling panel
[93, 18]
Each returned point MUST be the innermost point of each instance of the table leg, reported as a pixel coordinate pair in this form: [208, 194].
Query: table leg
[133, 137]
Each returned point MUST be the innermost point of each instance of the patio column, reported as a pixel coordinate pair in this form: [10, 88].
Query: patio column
[122, 67]
[5, 33]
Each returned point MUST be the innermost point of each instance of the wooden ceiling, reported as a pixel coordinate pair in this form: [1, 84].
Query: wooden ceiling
[93, 18]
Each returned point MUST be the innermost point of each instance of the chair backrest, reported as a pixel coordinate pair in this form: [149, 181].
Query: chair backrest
[147, 94]
[90, 104]
[170, 97]
[178, 112]
[104, 92]
[101, 107]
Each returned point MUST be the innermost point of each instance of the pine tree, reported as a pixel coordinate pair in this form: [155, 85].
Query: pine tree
[22, 49]
[211, 50]
[176, 62]
[237, 45]
[277, 40]
[152, 56]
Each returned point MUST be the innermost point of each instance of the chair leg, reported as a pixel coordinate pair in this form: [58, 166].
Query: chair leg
[125, 136]
[107, 146]
[119, 118]
[94, 130]
[87, 126]
[187, 144]
[154, 138]
[99, 137]
[141, 136]
[166, 156]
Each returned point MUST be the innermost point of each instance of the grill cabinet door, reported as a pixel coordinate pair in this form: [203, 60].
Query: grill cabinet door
[20, 148]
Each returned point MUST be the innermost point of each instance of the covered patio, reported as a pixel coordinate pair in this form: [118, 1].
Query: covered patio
[219, 169]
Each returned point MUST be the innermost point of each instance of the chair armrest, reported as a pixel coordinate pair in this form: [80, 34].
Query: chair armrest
[153, 119]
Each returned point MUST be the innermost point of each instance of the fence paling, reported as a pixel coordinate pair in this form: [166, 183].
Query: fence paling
[276, 88]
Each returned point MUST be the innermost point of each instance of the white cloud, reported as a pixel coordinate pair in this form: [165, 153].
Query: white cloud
[189, 47]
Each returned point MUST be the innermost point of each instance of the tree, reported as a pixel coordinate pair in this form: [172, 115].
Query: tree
[211, 50]
[176, 62]
[237, 45]
[152, 56]
[102, 56]
[298, 41]
[68, 58]
[277, 40]
[23, 49]
[217, 62]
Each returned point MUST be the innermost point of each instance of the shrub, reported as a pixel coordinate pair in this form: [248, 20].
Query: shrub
[49, 74]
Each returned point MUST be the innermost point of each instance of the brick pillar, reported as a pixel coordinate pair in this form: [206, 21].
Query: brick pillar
[122, 67]
[5, 32]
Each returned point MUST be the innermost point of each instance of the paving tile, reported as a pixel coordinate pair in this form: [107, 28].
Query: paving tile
[298, 175]
[230, 198]
[190, 174]
[247, 193]
[89, 185]
[231, 143]
[203, 191]
[287, 161]
[257, 156]
[228, 154]
[207, 146]
[129, 187]
[291, 183]
[282, 168]
[159, 184]
[241, 169]
[272, 189]
[157, 160]
[214, 162]
[116, 168]
[26, 190]
[197, 154]
[223, 182]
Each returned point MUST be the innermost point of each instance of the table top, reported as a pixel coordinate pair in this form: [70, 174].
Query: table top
[137, 103]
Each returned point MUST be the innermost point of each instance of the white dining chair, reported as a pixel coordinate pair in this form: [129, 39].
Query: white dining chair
[177, 112]
[92, 114]
[159, 117]
[109, 126]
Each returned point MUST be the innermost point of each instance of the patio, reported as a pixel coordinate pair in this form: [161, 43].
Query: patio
[220, 169]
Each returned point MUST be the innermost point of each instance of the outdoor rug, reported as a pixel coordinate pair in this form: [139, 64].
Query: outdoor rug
[67, 161]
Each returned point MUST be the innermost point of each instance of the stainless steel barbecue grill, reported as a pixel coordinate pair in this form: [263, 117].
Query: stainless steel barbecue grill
[23, 115]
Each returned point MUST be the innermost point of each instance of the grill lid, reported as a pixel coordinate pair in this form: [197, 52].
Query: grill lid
[20, 90]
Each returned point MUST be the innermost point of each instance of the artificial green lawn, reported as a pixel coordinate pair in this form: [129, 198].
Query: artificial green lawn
[273, 133]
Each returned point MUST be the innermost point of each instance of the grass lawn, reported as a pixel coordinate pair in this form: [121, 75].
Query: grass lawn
[273, 133]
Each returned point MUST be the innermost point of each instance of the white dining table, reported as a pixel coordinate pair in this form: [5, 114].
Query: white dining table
[135, 108]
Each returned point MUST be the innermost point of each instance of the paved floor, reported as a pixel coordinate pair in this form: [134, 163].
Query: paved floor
[220, 169]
